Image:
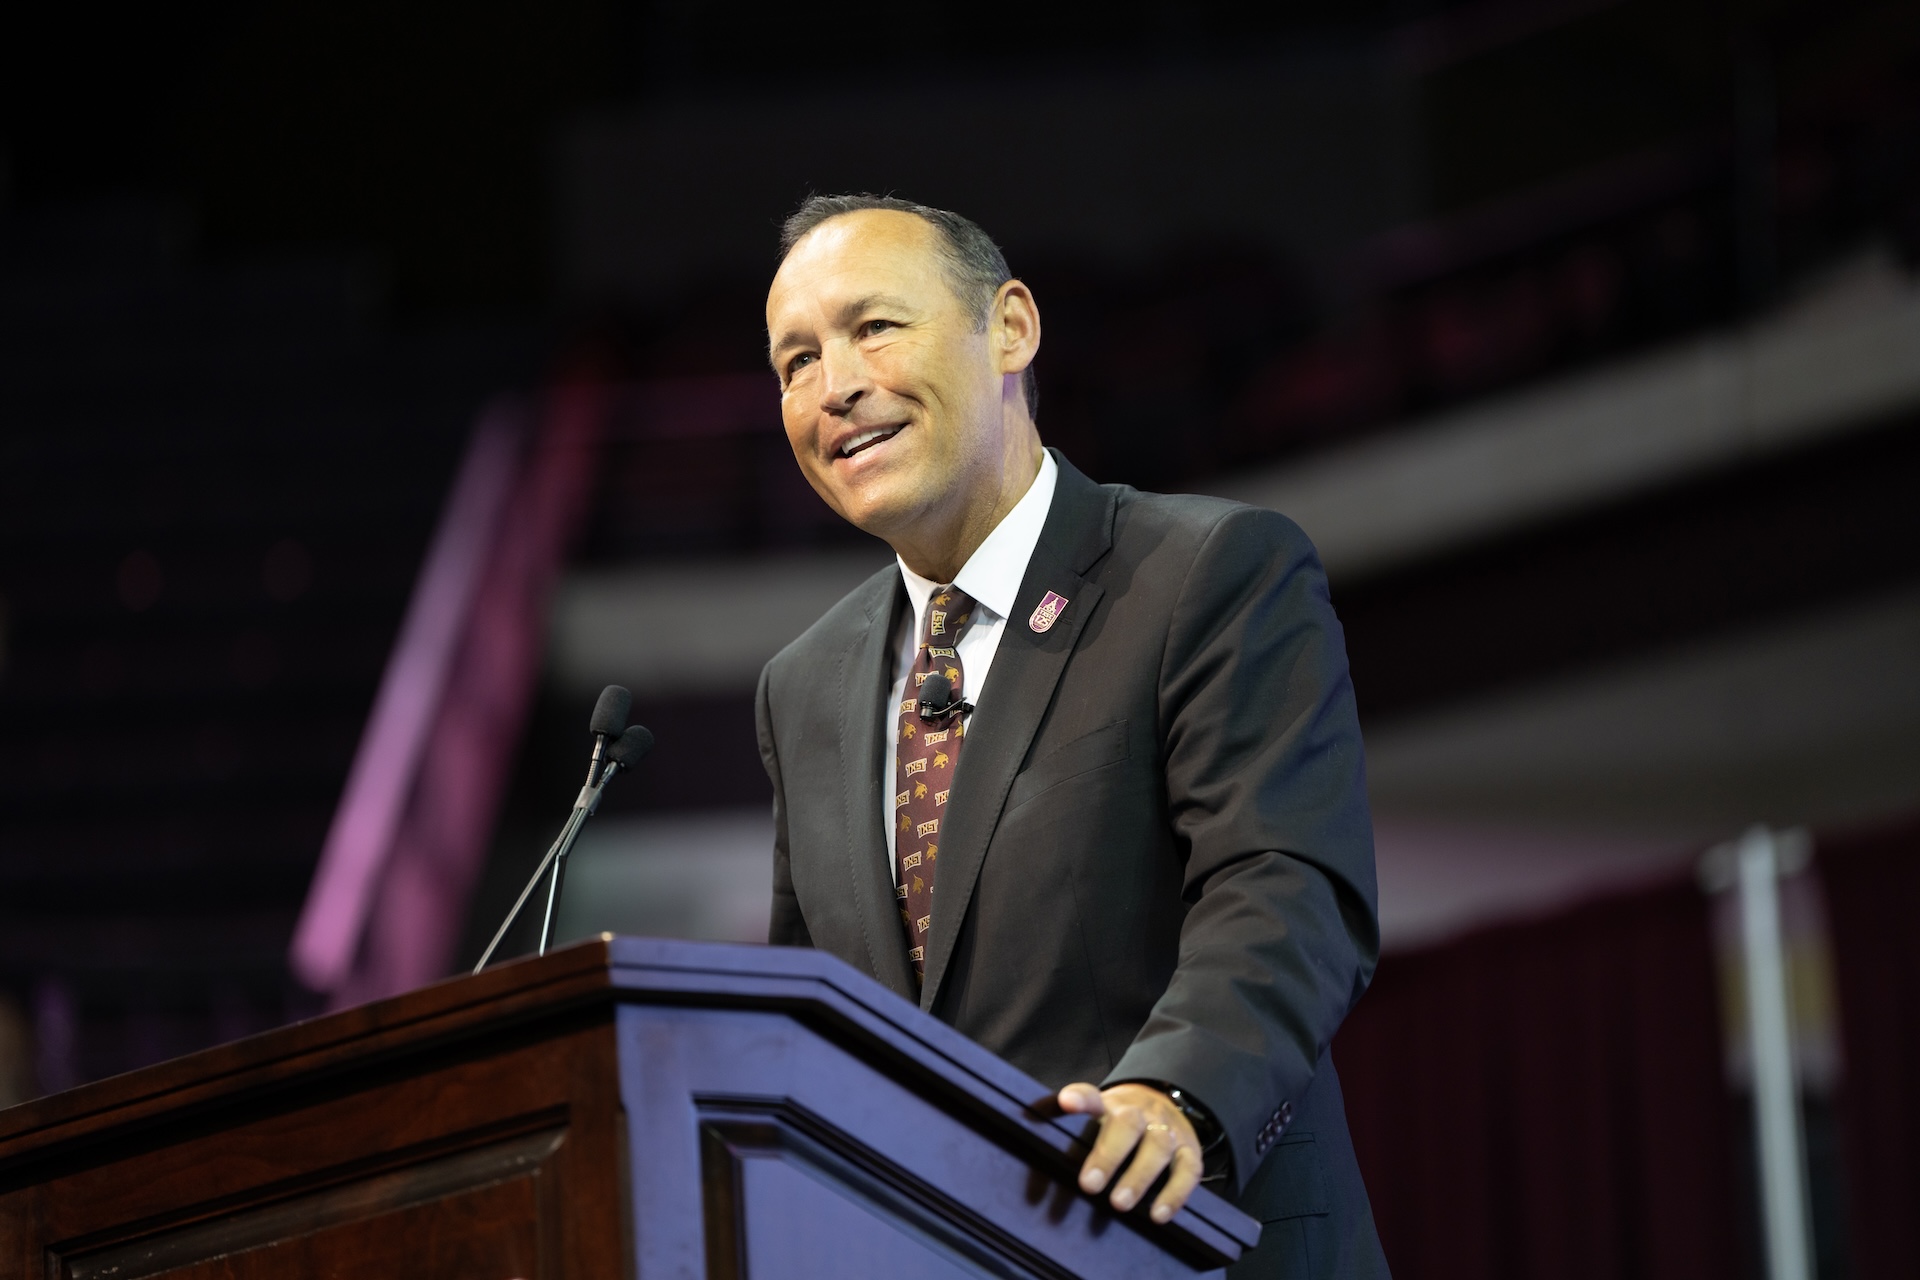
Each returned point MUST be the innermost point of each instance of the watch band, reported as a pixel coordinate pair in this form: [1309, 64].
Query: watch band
[1205, 1127]
[1216, 1153]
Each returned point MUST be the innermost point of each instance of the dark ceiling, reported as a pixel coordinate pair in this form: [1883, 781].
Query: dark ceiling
[419, 135]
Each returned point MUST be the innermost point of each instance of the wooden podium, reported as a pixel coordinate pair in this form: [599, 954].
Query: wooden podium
[624, 1108]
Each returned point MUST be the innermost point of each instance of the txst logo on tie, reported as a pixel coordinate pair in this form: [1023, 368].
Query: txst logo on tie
[1048, 613]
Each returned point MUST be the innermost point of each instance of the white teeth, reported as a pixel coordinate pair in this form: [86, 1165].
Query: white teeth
[865, 438]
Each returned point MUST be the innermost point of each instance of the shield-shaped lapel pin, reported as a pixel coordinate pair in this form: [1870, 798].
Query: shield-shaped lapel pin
[1048, 613]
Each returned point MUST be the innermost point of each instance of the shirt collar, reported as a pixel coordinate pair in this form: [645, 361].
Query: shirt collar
[993, 573]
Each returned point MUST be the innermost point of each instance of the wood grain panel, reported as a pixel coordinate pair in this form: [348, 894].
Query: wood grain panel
[446, 1163]
[487, 1212]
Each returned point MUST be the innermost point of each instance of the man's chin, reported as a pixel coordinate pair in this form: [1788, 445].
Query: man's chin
[884, 514]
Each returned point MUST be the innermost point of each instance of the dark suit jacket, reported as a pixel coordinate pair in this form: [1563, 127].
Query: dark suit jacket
[1158, 861]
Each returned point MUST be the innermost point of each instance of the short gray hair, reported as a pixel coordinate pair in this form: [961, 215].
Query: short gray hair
[972, 263]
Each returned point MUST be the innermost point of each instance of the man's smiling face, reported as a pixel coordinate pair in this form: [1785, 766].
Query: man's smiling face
[890, 392]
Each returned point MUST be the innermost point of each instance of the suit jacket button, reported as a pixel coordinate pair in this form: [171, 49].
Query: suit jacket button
[1286, 1113]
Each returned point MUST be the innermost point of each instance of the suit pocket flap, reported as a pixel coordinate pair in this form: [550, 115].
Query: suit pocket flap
[1294, 1185]
[1084, 754]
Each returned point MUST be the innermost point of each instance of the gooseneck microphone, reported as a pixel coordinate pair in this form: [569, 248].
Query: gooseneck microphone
[621, 746]
[610, 713]
[632, 747]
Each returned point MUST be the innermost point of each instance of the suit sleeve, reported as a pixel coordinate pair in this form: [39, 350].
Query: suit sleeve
[786, 927]
[1266, 792]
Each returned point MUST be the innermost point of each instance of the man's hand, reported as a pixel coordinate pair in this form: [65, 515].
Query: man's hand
[1137, 1119]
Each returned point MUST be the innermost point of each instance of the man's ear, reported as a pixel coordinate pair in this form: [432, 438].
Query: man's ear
[1013, 327]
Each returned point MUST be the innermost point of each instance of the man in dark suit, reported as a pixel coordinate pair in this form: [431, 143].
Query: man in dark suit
[1142, 856]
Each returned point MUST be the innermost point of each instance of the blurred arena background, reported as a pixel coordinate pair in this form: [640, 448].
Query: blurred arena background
[377, 382]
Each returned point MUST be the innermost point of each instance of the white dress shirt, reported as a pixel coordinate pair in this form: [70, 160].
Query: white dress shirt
[992, 576]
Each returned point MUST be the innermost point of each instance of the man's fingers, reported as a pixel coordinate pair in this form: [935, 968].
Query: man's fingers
[1187, 1169]
[1141, 1122]
[1156, 1148]
[1119, 1130]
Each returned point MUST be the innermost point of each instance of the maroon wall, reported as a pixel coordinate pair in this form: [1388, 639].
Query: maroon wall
[1547, 1099]
[1872, 883]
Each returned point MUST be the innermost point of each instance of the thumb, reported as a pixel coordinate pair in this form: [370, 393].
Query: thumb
[1082, 1099]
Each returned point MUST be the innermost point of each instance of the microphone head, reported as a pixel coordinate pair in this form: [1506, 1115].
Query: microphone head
[936, 695]
[632, 746]
[610, 713]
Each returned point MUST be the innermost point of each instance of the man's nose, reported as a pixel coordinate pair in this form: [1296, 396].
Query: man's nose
[845, 377]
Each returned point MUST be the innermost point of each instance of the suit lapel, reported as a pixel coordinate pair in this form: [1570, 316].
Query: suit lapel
[1019, 689]
[864, 670]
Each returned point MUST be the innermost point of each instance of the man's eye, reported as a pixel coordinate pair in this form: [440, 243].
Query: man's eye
[872, 327]
[798, 363]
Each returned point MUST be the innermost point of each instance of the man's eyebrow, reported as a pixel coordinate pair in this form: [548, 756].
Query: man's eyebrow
[791, 338]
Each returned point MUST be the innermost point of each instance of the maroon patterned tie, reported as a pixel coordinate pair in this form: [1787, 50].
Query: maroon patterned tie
[925, 753]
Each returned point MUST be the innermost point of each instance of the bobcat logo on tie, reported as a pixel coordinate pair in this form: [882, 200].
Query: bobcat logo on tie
[926, 753]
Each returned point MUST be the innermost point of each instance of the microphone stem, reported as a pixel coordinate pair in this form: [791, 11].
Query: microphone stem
[583, 807]
[527, 892]
[559, 872]
[582, 810]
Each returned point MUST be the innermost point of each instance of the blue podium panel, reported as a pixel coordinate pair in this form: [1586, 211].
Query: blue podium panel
[801, 1137]
[802, 1221]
